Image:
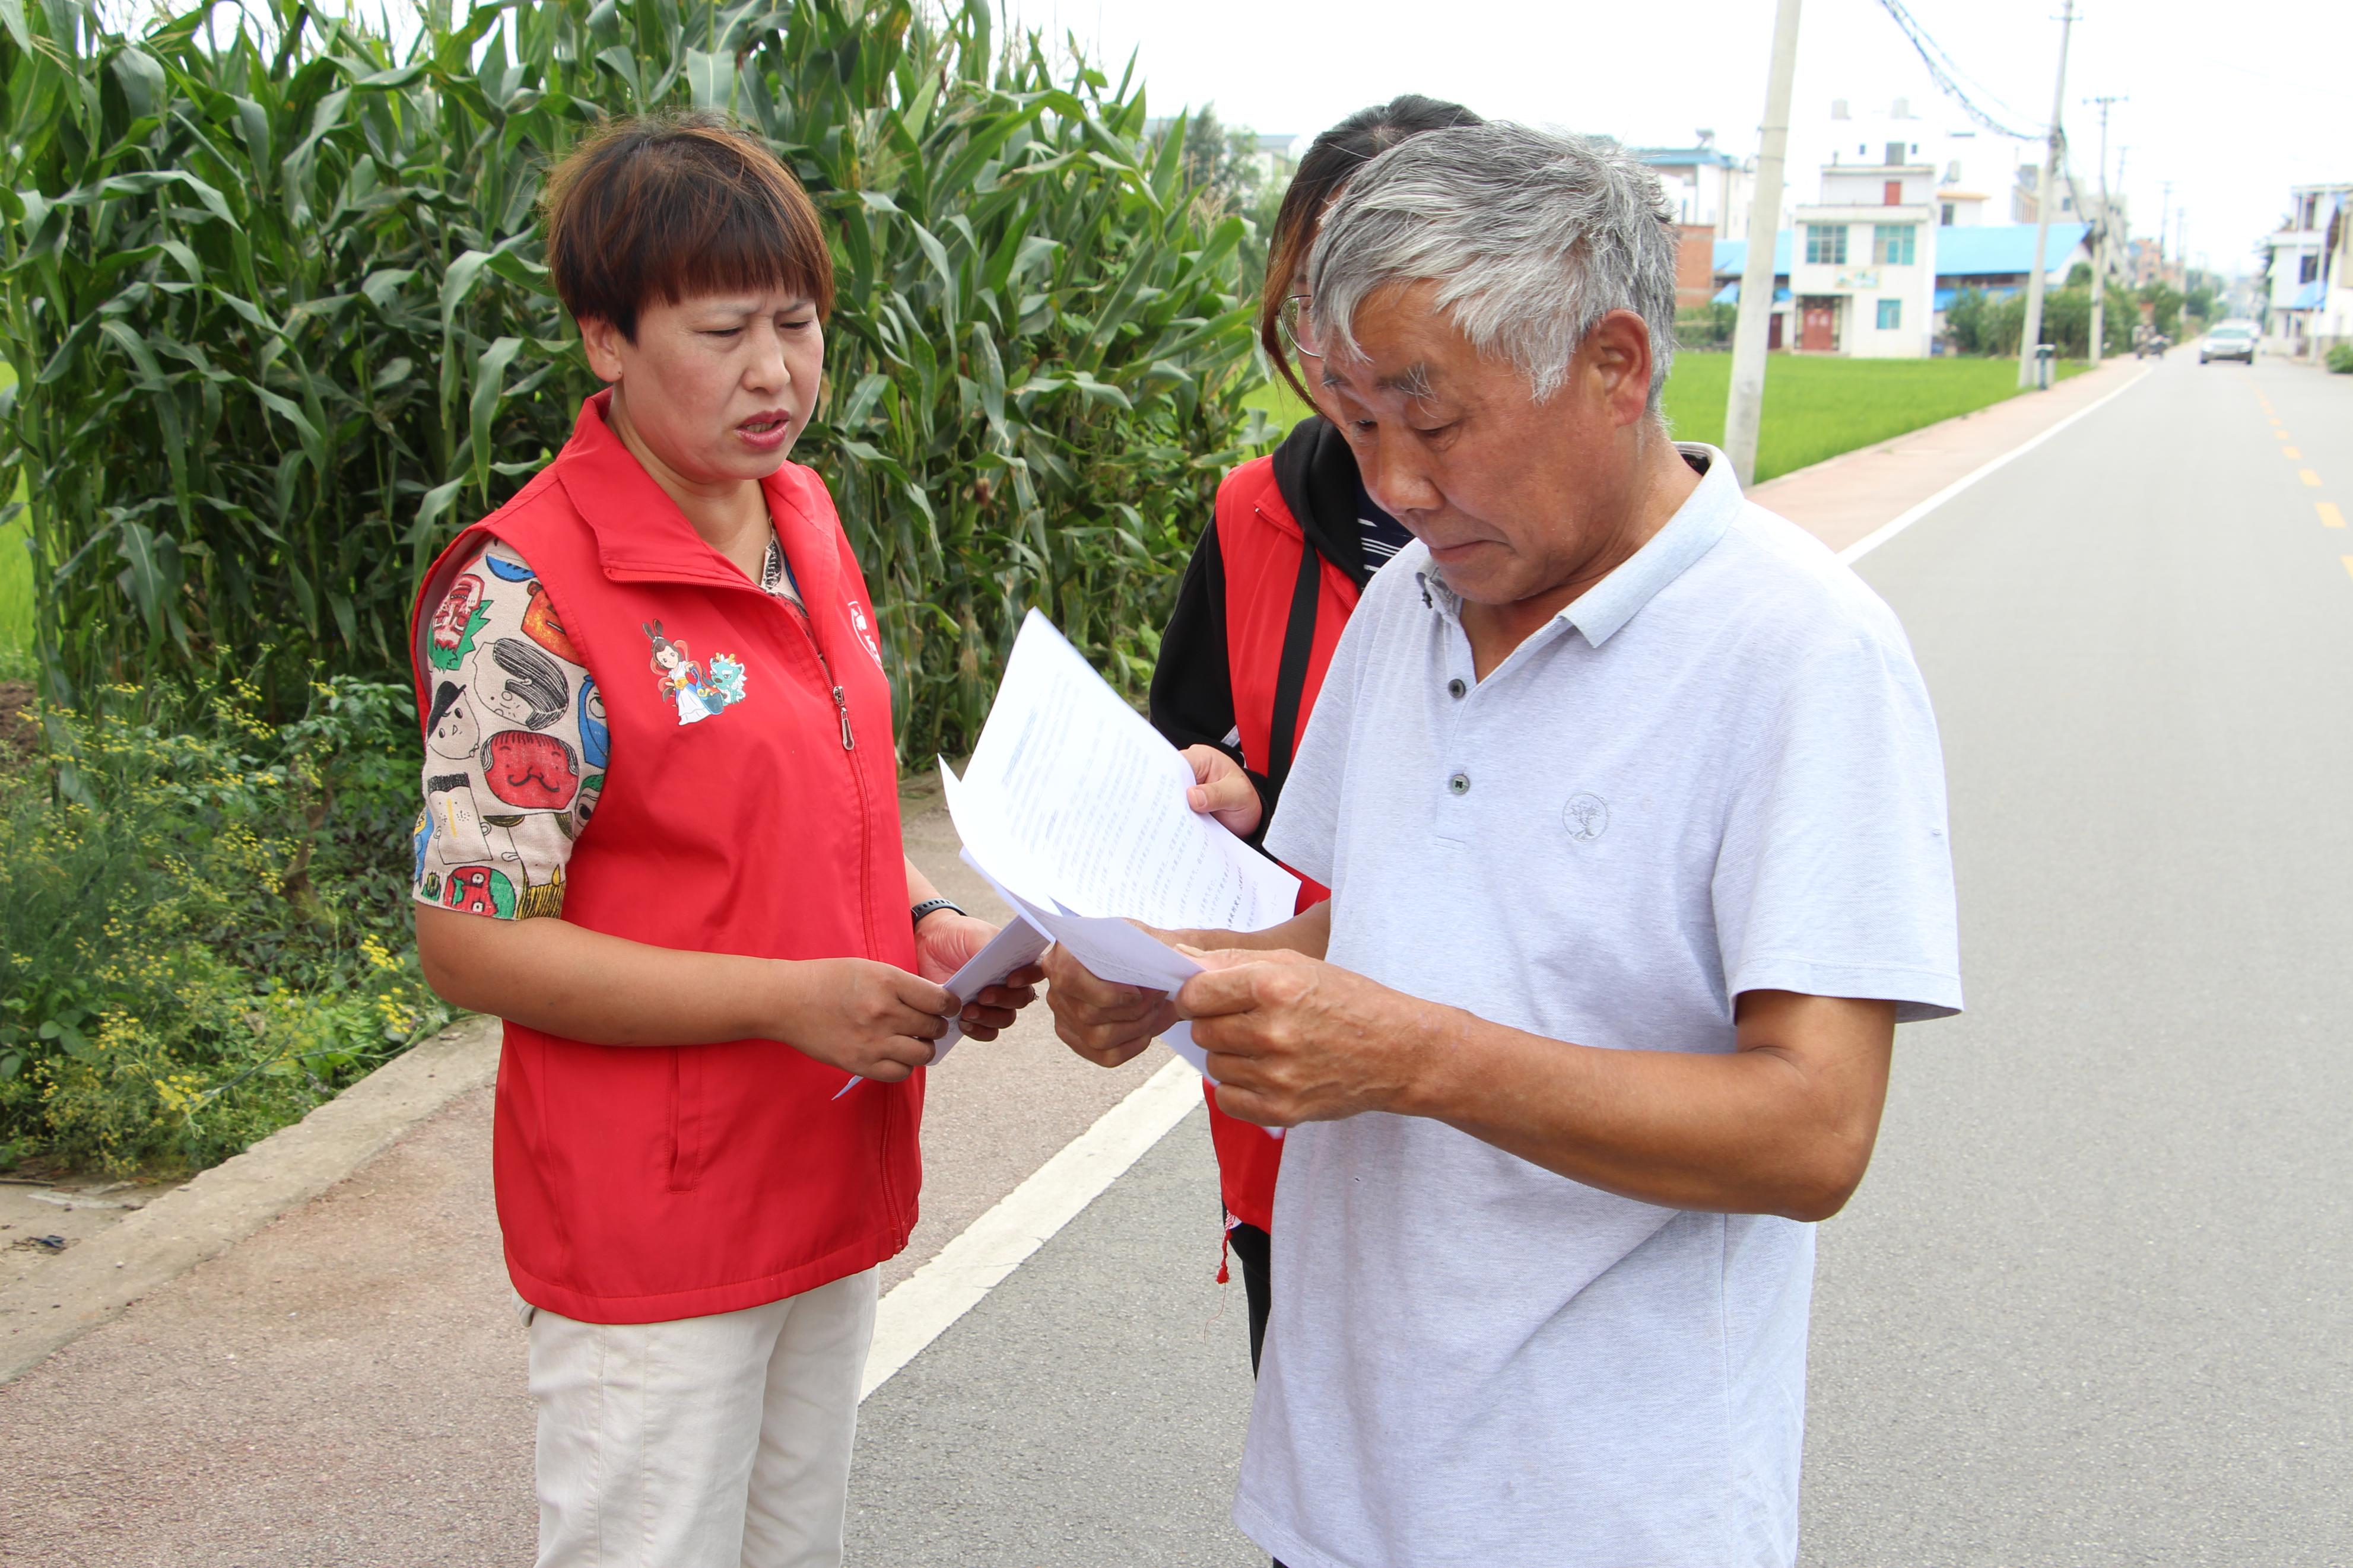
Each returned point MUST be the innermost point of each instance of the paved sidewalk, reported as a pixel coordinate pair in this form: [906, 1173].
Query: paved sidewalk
[1841, 500]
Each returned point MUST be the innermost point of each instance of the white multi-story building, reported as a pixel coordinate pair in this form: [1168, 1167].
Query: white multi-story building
[2308, 272]
[1708, 187]
[1862, 260]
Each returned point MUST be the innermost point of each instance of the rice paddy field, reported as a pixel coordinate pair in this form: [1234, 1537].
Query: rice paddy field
[1815, 407]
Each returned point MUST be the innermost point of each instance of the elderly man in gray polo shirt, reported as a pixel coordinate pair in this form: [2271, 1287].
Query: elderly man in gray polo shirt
[1631, 805]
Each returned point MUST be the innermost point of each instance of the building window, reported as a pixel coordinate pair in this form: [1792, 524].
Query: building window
[1895, 152]
[1826, 244]
[1891, 315]
[2308, 266]
[1947, 219]
[1893, 244]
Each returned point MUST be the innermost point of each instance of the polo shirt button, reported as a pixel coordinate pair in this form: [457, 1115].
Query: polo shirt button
[1455, 687]
[1458, 784]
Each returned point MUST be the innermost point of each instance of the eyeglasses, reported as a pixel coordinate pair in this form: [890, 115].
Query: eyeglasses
[1297, 331]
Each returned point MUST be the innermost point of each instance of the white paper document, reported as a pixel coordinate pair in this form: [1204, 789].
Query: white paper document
[1073, 800]
[1073, 807]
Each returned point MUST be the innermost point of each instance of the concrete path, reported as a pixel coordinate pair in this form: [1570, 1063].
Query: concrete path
[1843, 499]
[2079, 1313]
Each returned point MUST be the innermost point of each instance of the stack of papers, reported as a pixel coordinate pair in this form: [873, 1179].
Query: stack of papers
[1073, 808]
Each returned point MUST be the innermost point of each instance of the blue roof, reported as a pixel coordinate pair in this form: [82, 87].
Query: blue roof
[1673, 156]
[1966, 251]
[1963, 250]
[2309, 296]
[1730, 294]
[1732, 255]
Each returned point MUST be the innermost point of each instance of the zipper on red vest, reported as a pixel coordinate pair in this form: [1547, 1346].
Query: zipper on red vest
[840, 698]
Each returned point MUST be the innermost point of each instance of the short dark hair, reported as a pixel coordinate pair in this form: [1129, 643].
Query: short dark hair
[1332, 160]
[676, 205]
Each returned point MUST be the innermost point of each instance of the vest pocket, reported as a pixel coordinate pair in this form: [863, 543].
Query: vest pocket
[685, 1116]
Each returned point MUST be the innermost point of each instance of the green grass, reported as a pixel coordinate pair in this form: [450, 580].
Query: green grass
[1814, 407]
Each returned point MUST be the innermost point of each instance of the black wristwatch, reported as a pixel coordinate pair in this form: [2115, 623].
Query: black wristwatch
[930, 907]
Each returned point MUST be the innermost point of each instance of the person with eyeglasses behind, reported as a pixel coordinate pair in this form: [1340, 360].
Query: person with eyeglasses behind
[1275, 575]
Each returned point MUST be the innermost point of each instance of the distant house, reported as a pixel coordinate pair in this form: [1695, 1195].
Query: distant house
[1709, 191]
[2308, 272]
[1856, 259]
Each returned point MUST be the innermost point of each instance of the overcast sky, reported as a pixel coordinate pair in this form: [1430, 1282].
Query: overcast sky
[2231, 115]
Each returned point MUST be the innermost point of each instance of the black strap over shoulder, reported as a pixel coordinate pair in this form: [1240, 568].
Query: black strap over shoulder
[1291, 674]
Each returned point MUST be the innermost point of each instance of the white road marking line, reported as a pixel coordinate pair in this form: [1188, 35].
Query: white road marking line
[1887, 530]
[921, 1307]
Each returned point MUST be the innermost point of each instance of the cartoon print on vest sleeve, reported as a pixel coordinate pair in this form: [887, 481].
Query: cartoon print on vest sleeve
[596, 730]
[504, 562]
[584, 808]
[682, 683]
[527, 687]
[460, 616]
[420, 833]
[537, 772]
[479, 890]
[541, 901]
[449, 799]
[451, 730]
[540, 625]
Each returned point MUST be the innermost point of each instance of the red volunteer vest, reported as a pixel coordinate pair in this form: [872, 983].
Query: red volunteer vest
[646, 1184]
[1259, 542]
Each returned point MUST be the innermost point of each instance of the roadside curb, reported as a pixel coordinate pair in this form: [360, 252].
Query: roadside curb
[92, 1284]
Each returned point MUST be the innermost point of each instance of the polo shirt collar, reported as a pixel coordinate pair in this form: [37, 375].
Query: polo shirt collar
[1608, 604]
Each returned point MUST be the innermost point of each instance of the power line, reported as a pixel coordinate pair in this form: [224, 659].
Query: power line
[1947, 73]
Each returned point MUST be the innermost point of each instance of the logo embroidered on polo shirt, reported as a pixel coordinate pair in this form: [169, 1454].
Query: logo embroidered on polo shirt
[1587, 817]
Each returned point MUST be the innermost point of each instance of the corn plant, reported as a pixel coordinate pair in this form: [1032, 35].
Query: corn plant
[271, 285]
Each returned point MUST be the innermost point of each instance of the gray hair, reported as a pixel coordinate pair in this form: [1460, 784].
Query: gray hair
[1531, 238]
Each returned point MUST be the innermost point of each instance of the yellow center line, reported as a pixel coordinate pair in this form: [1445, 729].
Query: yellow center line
[2280, 433]
[2329, 516]
[2309, 477]
[2291, 454]
[2349, 562]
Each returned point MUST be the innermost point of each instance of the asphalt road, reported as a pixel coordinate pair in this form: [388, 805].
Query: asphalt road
[2091, 1307]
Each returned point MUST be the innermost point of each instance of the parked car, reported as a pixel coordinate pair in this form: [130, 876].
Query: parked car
[2229, 340]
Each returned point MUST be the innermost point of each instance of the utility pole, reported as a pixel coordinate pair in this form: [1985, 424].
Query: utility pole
[2163, 224]
[2030, 339]
[2100, 249]
[1743, 406]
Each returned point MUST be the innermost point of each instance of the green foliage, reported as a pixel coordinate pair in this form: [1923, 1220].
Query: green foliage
[2165, 303]
[1817, 406]
[1977, 324]
[1706, 328]
[275, 304]
[2341, 358]
[201, 937]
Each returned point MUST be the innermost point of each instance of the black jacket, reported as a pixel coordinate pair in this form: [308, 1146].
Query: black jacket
[1192, 700]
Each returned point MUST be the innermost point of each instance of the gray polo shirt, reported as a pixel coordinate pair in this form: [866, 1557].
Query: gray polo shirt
[1716, 771]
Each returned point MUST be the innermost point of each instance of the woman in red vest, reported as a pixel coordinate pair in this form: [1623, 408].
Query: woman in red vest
[1272, 579]
[661, 841]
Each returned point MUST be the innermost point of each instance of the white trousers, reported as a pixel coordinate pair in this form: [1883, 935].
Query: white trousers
[718, 1442]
